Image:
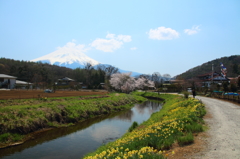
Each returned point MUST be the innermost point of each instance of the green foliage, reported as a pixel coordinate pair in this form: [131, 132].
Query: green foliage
[175, 122]
[165, 144]
[32, 115]
[4, 137]
[150, 95]
[186, 94]
[10, 137]
[45, 75]
[232, 63]
[193, 127]
[185, 140]
[133, 126]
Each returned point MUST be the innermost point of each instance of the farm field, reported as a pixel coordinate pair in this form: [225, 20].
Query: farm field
[27, 94]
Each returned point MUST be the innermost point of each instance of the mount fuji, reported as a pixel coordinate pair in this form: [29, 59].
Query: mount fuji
[72, 59]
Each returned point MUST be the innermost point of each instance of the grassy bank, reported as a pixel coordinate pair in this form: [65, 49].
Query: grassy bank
[175, 123]
[21, 117]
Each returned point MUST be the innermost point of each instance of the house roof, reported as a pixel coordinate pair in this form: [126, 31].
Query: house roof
[220, 78]
[207, 74]
[7, 76]
[22, 83]
[217, 78]
[65, 79]
[176, 81]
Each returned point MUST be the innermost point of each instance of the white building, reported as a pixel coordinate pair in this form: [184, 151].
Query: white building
[23, 84]
[7, 81]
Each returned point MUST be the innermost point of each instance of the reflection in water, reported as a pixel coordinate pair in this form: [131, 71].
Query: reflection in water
[152, 107]
[127, 116]
[82, 138]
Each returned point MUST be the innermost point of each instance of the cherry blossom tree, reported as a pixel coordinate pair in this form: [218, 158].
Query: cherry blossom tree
[125, 83]
[143, 82]
[122, 81]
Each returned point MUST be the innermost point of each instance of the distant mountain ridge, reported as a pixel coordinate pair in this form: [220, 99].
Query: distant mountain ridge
[72, 60]
[232, 63]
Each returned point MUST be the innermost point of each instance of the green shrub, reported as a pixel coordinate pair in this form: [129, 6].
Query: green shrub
[16, 137]
[4, 137]
[165, 144]
[8, 137]
[194, 127]
[186, 94]
[186, 140]
[133, 126]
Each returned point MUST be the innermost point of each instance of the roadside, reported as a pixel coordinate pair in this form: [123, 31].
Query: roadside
[222, 139]
[224, 128]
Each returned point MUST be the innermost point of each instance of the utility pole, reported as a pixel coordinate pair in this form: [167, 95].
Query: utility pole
[212, 72]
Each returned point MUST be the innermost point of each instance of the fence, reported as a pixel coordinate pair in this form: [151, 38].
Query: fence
[227, 96]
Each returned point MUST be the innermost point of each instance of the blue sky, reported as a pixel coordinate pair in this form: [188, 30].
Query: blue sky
[165, 36]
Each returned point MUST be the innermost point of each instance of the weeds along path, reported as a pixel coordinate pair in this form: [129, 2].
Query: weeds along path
[224, 130]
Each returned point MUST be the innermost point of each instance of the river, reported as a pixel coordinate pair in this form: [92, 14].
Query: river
[82, 138]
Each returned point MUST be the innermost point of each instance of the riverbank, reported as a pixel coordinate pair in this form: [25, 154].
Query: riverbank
[176, 124]
[19, 118]
[37, 94]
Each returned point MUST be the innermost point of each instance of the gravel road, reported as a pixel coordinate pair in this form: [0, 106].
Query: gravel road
[224, 130]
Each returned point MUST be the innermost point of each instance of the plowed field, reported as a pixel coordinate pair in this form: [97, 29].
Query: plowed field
[26, 94]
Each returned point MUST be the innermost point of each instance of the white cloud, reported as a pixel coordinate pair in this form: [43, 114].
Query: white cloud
[162, 33]
[133, 48]
[106, 45]
[112, 42]
[124, 38]
[104, 132]
[72, 47]
[110, 36]
[194, 30]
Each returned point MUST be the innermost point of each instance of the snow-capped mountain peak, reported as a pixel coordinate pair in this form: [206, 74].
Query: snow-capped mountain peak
[66, 56]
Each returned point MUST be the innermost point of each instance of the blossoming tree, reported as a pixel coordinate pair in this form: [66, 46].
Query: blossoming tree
[125, 83]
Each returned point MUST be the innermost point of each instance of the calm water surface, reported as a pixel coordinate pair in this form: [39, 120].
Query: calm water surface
[78, 140]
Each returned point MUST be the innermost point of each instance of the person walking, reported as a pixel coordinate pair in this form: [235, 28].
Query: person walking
[193, 93]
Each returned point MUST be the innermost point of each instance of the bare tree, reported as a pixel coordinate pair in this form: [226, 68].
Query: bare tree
[109, 71]
[88, 70]
[156, 77]
[167, 75]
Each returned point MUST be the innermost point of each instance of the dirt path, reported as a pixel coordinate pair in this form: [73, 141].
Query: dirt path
[223, 141]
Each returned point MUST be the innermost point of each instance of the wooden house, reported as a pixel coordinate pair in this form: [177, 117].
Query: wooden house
[208, 78]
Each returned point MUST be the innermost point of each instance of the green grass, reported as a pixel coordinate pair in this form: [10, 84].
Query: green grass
[30, 115]
[174, 123]
[186, 140]
[193, 127]
[10, 137]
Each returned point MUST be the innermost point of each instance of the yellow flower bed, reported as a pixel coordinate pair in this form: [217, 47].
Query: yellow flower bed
[158, 133]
